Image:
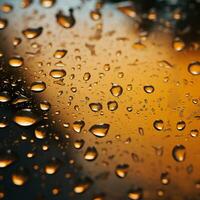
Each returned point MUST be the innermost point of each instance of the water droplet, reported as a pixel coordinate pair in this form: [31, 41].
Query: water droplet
[165, 64]
[20, 177]
[47, 3]
[4, 97]
[165, 178]
[95, 107]
[40, 132]
[58, 73]
[52, 166]
[135, 194]
[158, 125]
[45, 105]
[121, 170]
[38, 86]
[194, 68]
[194, 132]
[180, 125]
[3, 23]
[26, 3]
[16, 61]
[112, 105]
[149, 89]
[178, 44]
[16, 41]
[179, 153]
[82, 186]
[25, 117]
[116, 90]
[60, 53]
[7, 158]
[86, 76]
[99, 130]
[78, 144]
[95, 15]
[31, 33]
[90, 154]
[6, 8]
[65, 21]
[128, 10]
[78, 125]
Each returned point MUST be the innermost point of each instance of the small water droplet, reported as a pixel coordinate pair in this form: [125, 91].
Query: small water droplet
[194, 132]
[95, 107]
[64, 20]
[57, 73]
[4, 97]
[20, 177]
[90, 154]
[78, 125]
[99, 130]
[194, 68]
[116, 90]
[47, 3]
[121, 170]
[38, 86]
[158, 125]
[95, 15]
[16, 61]
[60, 53]
[3, 23]
[179, 153]
[112, 105]
[178, 44]
[31, 33]
[149, 89]
[25, 117]
[180, 125]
